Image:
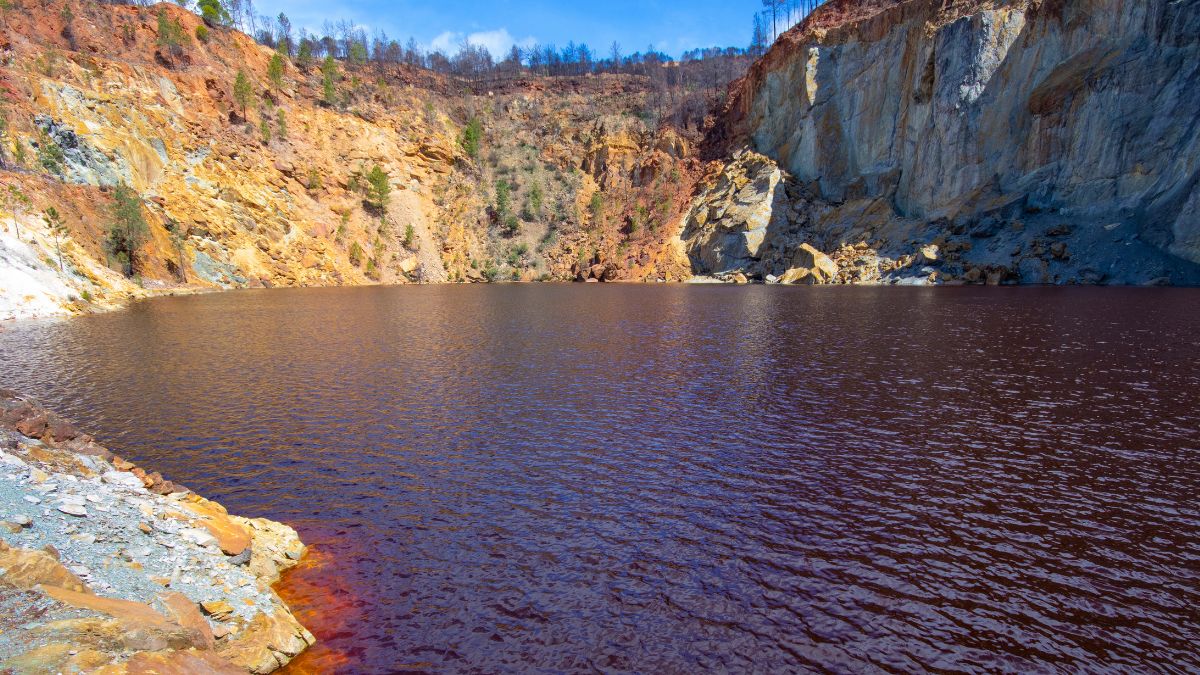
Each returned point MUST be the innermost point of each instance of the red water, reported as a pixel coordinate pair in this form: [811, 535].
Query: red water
[681, 479]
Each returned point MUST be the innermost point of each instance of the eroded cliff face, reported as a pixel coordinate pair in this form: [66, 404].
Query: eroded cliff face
[1045, 142]
[272, 193]
[927, 141]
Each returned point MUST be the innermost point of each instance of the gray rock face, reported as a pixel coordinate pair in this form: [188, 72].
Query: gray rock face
[728, 222]
[1084, 111]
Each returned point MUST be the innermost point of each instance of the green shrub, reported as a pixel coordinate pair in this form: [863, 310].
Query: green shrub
[533, 202]
[171, 36]
[202, 33]
[410, 236]
[213, 12]
[356, 254]
[471, 137]
[50, 154]
[596, 206]
[503, 198]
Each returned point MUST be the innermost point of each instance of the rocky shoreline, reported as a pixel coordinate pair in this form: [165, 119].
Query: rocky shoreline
[105, 567]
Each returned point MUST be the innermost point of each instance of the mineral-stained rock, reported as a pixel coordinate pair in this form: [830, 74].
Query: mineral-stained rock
[108, 632]
[186, 662]
[230, 536]
[34, 425]
[217, 609]
[927, 255]
[186, 614]
[261, 645]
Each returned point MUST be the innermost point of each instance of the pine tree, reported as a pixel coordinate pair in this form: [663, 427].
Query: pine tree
[758, 41]
[3, 138]
[242, 92]
[379, 188]
[127, 229]
[58, 228]
[17, 202]
[472, 135]
[275, 71]
[328, 81]
[304, 55]
[503, 198]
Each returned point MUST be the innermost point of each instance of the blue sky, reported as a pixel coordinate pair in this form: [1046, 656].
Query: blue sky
[672, 27]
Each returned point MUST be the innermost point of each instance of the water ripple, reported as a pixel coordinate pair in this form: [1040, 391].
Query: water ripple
[675, 479]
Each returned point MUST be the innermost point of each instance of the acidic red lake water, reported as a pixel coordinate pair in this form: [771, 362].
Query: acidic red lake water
[554, 478]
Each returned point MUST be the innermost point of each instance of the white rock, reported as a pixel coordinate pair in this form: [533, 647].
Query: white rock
[32, 500]
[95, 499]
[122, 478]
[75, 510]
[22, 520]
[11, 459]
[198, 537]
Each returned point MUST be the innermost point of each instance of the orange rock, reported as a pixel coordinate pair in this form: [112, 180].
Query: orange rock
[231, 537]
[189, 662]
[267, 643]
[187, 615]
[27, 569]
[137, 612]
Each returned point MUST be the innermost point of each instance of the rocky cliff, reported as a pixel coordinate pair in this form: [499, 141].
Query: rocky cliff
[271, 190]
[879, 141]
[1040, 142]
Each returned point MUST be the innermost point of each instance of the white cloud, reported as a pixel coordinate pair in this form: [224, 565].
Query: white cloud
[498, 42]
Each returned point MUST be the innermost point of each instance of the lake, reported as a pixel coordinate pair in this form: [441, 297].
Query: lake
[679, 478]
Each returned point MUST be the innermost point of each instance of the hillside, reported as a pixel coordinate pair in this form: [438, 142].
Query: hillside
[98, 101]
[876, 142]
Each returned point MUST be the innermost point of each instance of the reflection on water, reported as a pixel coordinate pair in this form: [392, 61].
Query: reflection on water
[672, 478]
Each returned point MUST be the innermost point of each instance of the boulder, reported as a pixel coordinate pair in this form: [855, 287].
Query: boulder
[26, 569]
[231, 537]
[810, 266]
[927, 255]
